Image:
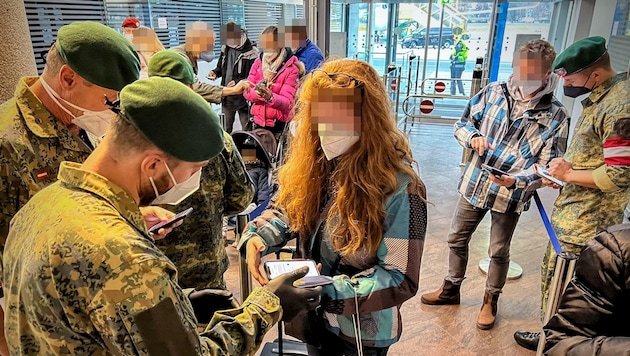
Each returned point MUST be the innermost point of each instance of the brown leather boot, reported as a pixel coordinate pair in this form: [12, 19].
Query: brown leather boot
[488, 313]
[447, 294]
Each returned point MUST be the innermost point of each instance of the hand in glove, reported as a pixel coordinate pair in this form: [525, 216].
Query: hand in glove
[206, 301]
[292, 299]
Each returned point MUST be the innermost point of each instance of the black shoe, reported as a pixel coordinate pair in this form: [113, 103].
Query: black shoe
[527, 339]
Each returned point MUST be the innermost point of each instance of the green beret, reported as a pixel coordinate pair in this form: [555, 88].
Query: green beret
[173, 117]
[171, 65]
[98, 54]
[580, 55]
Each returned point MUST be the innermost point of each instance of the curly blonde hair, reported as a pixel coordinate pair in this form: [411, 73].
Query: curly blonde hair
[362, 178]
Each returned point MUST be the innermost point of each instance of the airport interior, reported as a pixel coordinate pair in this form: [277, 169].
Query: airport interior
[409, 43]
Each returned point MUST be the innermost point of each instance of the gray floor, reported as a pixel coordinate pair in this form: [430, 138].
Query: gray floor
[451, 330]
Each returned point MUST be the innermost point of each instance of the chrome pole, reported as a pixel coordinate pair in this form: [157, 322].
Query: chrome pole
[245, 279]
[562, 274]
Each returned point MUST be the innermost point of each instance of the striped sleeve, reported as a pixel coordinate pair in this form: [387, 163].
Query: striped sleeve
[617, 152]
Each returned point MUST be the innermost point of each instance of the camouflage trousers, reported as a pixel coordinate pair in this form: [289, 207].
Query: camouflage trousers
[547, 269]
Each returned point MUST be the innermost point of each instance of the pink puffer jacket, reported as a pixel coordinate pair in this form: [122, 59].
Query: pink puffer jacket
[284, 86]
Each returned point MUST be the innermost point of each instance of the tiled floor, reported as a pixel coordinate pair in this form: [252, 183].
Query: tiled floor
[451, 330]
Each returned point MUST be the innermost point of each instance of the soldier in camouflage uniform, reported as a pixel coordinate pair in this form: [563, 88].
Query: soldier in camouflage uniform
[83, 276]
[197, 247]
[596, 166]
[37, 133]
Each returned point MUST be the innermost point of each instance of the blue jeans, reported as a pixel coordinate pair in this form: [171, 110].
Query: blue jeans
[465, 221]
[456, 73]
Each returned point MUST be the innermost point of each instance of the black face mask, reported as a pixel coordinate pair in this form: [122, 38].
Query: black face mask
[574, 92]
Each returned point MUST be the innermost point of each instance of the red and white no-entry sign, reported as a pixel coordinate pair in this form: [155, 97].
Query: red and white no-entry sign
[393, 84]
[440, 87]
[426, 106]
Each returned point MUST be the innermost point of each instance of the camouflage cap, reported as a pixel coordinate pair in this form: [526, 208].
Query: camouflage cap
[171, 65]
[173, 117]
[580, 55]
[98, 54]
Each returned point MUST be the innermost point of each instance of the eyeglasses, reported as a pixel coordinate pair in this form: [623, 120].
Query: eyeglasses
[342, 79]
[113, 105]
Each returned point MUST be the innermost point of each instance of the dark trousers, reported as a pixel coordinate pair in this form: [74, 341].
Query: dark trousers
[230, 115]
[465, 221]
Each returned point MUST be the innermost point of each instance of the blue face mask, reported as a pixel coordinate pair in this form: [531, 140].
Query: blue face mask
[207, 56]
[574, 92]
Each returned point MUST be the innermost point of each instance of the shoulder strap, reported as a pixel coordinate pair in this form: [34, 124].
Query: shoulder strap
[508, 98]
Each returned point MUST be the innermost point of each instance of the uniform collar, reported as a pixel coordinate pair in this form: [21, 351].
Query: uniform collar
[598, 93]
[73, 175]
[40, 121]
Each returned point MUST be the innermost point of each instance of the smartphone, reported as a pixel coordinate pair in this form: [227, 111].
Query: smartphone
[542, 172]
[170, 221]
[497, 172]
[275, 268]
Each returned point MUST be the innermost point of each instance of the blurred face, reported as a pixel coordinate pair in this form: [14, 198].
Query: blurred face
[248, 154]
[269, 42]
[199, 37]
[529, 69]
[231, 35]
[128, 30]
[144, 40]
[294, 36]
[336, 112]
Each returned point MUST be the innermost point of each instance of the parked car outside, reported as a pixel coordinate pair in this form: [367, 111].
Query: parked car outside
[418, 39]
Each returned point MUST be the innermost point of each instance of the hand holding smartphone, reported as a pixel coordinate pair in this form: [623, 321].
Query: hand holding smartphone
[542, 172]
[497, 172]
[171, 221]
[312, 279]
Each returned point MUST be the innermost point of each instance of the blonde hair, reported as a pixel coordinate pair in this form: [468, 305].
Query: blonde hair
[362, 179]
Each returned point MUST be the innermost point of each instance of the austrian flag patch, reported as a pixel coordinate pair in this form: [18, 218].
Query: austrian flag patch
[617, 152]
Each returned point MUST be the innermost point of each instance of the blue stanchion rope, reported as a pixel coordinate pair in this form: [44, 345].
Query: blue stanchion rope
[552, 234]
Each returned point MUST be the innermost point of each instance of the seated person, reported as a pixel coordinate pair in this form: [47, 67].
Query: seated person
[596, 303]
[258, 171]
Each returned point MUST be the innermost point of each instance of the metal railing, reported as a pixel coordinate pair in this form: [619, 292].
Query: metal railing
[392, 79]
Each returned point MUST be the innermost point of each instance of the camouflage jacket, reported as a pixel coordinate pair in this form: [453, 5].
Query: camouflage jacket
[197, 246]
[33, 143]
[580, 212]
[79, 264]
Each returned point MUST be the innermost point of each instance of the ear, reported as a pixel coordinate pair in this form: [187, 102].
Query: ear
[152, 164]
[68, 78]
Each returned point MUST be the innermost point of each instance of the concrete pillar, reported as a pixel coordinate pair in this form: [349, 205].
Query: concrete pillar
[16, 57]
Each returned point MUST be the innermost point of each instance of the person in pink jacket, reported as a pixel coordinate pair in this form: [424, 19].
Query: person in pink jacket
[276, 74]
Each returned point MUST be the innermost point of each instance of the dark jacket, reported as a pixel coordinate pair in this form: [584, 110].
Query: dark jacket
[310, 55]
[260, 176]
[595, 308]
[245, 57]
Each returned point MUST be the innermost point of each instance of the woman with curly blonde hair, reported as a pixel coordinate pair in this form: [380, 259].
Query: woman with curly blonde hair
[350, 196]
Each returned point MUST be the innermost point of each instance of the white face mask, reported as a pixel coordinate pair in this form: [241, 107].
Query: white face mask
[335, 146]
[179, 191]
[528, 89]
[94, 122]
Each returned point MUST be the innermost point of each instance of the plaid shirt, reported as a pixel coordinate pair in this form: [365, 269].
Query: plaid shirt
[521, 136]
